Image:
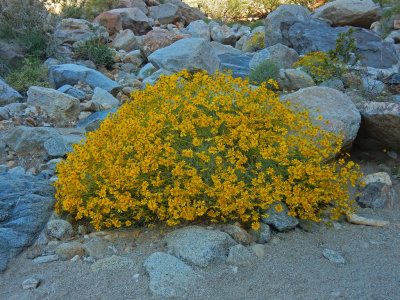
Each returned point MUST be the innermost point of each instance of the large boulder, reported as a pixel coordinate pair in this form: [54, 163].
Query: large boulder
[172, 278]
[26, 203]
[134, 3]
[199, 29]
[73, 30]
[223, 34]
[125, 18]
[125, 40]
[165, 13]
[189, 14]
[293, 80]
[315, 35]
[283, 55]
[237, 63]
[273, 28]
[61, 109]
[8, 94]
[360, 13]
[71, 74]
[380, 125]
[336, 109]
[199, 246]
[157, 39]
[190, 54]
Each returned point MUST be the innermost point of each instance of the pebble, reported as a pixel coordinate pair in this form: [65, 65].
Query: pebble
[30, 283]
[45, 259]
[333, 256]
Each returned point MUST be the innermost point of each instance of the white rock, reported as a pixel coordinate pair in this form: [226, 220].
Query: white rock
[30, 283]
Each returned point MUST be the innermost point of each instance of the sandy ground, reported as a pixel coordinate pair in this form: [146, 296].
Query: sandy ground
[293, 267]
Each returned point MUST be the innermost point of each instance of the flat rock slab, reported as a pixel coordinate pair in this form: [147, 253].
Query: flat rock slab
[170, 277]
[199, 246]
[237, 63]
[26, 203]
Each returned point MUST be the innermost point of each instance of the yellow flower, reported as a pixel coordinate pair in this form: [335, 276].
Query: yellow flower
[279, 207]
[320, 118]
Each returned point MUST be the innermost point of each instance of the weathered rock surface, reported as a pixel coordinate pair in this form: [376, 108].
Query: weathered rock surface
[360, 13]
[199, 29]
[273, 26]
[377, 195]
[165, 13]
[59, 229]
[26, 203]
[71, 74]
[333, 256]
[380, 123]
[104, 99]
[281, 54]
[125, 40]
[93, 121]
[153, 78]
[190, 53]
[262, 235]
[281, 221]
[157, 39]
[238, 255]
[8, 94]
[334, 106]
[69, 250]
[239, 234]
[170, 277]
[77, 30]
[366, 220]
[237, 63]
[189, 14]
[114, 263]
[199, 246]
[61, 109]
[293, 80]
[223, 34]
[118, 19]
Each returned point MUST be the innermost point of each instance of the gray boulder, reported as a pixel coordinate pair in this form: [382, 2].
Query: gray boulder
[377, 195]
[237, 63]
[380, 124]
[71, 74]
[223, 49]
[360, 13]
[293, 80]
[134, 57]
[281, 221]
[190, 54]
[61, 109]
[78, 30]
[199, 246]
[26, 203]
[146, 71]
[199, 29]
[283, 55]
[8, 94]
[104, 99]
[223, 34]
[315, 35]
[273, 22]
[172, 278]
[165, 13]
[93, 121]
[125, 40]
[334, 106]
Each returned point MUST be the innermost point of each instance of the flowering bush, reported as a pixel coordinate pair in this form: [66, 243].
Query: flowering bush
[256, 42]
[199, 146]
[320, 66]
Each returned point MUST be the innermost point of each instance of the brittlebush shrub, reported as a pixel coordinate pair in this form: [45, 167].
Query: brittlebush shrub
[200, 146]
[320, 66]
[256, 42]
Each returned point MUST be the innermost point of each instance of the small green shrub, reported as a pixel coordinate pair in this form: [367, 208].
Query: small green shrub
[266, 70]
[345, 48]
[97, 52]
[387, 15]
[31, 73]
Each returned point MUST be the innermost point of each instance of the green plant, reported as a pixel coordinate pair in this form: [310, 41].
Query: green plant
[31, 73]
[345, 48]
[387, 15]
[97, 52]
[256, 41]
[264, 72]
[199, 146]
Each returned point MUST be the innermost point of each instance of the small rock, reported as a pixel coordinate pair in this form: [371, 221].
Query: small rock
[96, 247]
[104, 99]
[377, 195]
[363, 220]
[333, 256]
[30, 283]
[59, 229]
[238, 255]
[262, 235]
[258, 249]
[382, 177]
[45, 259]
[240, 235]
[75, 258]
[281, 221]
[69, 250]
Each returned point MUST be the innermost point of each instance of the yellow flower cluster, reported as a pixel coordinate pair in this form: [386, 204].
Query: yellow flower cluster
[256, 42]
[320, 66]
[200, 146]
